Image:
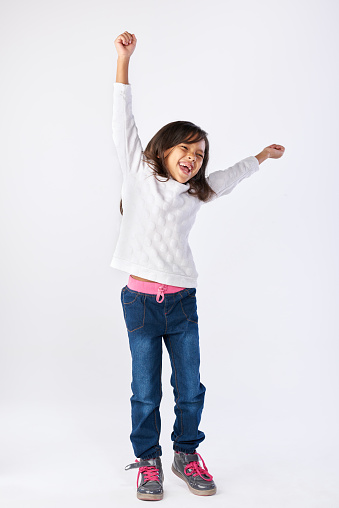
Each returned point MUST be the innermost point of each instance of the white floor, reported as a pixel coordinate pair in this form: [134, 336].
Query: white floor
[69, 457]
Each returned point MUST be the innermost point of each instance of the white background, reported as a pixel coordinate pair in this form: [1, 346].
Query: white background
[250, 74]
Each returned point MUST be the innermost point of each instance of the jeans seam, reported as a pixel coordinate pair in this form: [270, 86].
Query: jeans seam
[173, 302]
[190, 320]
[155, 416]
[156, 426]
[176, 384]
[143, 321]
[165, 318]
[128, 303]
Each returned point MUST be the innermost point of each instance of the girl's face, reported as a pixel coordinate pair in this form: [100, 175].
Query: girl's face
[183, 161]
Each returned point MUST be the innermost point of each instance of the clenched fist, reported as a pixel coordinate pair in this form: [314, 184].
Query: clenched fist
[125, 44]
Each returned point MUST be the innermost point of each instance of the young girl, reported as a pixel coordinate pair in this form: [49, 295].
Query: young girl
[162, 191]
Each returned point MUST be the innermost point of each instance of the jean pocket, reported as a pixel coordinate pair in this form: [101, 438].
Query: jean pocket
[189, 306]
[133, 304]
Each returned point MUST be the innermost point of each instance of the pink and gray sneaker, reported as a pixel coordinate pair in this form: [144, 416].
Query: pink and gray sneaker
[187, 466]
[150, 479]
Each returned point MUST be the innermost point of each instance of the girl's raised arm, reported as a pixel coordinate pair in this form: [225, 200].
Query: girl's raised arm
[125, 133]
[125, 45]
[224, 180]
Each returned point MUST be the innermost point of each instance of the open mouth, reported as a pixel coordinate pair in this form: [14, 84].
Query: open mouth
[185, 169]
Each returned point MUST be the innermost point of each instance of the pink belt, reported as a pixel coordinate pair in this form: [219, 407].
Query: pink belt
[152, 288]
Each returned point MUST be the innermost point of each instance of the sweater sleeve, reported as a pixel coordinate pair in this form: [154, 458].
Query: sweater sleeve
[224, 180]
[125, 132]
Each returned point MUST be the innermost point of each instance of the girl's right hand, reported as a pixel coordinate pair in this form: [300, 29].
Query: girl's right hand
[125, 44]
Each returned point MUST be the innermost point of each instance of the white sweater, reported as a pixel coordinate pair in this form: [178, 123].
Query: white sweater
[158, 215]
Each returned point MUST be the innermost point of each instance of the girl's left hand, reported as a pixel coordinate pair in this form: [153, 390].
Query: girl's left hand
[275, 151]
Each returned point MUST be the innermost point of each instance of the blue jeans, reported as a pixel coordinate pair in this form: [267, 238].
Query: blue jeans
[174, 320]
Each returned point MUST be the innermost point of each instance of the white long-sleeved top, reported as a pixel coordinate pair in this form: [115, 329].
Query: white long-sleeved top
[158, 215]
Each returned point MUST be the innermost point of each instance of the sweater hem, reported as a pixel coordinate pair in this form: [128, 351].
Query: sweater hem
[171, 279]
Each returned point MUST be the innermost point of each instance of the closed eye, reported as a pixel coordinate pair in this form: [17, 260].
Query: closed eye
[198, 153]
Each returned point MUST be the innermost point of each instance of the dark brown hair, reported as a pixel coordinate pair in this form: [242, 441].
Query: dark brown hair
[172, 135]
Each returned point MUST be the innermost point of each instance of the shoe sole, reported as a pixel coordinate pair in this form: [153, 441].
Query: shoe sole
[209, 492]
[149, 497]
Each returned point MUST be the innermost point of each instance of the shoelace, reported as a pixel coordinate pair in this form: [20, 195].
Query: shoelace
[196, 469]
[151, 473]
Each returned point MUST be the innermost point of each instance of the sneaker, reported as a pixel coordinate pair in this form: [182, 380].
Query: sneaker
[151, 479]
[198, 479]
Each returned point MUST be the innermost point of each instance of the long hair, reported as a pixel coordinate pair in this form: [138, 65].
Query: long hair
[172, 135]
